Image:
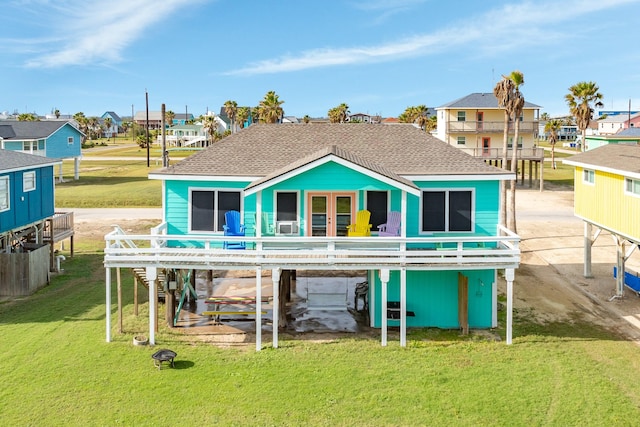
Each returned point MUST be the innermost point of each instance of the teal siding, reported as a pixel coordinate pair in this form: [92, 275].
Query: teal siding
[177, 204]
[486, 204]
[31, 206]
[58, 146]
[433, 297]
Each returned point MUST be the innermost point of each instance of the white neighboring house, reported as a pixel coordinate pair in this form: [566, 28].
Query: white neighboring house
[614, 123]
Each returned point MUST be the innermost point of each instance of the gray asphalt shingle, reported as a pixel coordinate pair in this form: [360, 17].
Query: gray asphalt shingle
[263, 149]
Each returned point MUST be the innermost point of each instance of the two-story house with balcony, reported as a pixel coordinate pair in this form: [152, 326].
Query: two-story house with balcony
[475, 125]
[299, 190]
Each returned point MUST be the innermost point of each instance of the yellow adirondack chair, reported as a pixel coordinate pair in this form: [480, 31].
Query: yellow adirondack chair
[361, 227]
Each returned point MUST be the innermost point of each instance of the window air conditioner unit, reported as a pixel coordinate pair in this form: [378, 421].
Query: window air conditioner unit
[287, 227]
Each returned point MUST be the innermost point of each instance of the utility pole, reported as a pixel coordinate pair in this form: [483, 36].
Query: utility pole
[146, 95]
[165, 157]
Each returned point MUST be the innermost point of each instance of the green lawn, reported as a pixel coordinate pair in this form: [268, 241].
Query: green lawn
[58, 370]
[108, 184]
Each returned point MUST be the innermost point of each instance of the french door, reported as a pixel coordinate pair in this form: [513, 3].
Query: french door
[329, 213]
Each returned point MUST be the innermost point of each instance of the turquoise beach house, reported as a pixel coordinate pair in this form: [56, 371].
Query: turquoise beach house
[298, 188]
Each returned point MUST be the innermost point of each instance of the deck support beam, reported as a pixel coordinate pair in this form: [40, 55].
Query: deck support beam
[275, 303]
[108, 303]
[258, 308]
[152, 275]
[384, 281]
[403, 307]
[509, 275]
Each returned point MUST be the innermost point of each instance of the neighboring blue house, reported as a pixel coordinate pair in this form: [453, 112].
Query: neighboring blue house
[48, 138]
[116, 123]
[299, 186]
[26, 202]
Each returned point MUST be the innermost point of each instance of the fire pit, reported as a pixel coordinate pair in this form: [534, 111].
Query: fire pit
[164, 355]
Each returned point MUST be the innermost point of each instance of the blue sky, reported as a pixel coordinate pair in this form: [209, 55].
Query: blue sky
[377, 56]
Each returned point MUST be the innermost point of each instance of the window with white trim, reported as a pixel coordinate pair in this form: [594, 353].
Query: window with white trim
[588, 176]
[447, 211]
[4, 193]
[29, 181]
[286, 206]
[632, 186]
[29, 146]
[462, 116]
[70, 140]
[209, 206]
[462, 140]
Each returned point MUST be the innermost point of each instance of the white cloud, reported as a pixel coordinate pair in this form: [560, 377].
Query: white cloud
[89, 32]
[499, 30]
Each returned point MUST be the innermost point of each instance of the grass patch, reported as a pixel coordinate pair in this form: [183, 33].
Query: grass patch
[108, 184]
[58, 370]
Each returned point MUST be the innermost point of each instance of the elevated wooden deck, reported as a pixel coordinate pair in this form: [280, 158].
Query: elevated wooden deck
[315, 253]
[57, 229]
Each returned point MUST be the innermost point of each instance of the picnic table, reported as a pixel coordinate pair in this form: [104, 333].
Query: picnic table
[216, 302]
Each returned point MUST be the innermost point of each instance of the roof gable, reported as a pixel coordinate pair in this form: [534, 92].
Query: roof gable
[332, 154]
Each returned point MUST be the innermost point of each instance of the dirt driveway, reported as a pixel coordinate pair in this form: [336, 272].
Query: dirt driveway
[549, 284]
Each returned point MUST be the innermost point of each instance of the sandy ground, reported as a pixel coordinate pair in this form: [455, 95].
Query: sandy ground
[549, 285]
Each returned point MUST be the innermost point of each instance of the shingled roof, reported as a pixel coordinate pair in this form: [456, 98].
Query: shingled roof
[623, 159]
[480, 100]
[26, 130]
[262, 149]
[15, 160]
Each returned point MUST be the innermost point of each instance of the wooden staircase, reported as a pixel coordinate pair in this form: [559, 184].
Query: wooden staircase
[140, 274]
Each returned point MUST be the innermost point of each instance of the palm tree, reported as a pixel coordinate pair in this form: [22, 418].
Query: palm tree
[270, 110]
[108, 122]
[504, 92]
[231, 109]
[168, 118]
[306, 118]
[242, 115]
[409, 115]
[27, 117]
[343, 112]
[580, 97]
[552, 127]
[423, 117]
[57, 113]
[516, 108]
[545, 117]
[338, 114]
[210, 126]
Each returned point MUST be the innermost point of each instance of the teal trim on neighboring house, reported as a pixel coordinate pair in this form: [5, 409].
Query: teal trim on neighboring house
[595, 141]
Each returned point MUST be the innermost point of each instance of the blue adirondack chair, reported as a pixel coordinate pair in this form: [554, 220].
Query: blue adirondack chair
[233, 227]
[392, 226]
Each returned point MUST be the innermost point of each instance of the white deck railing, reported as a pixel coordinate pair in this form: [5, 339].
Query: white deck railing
[319, 253]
